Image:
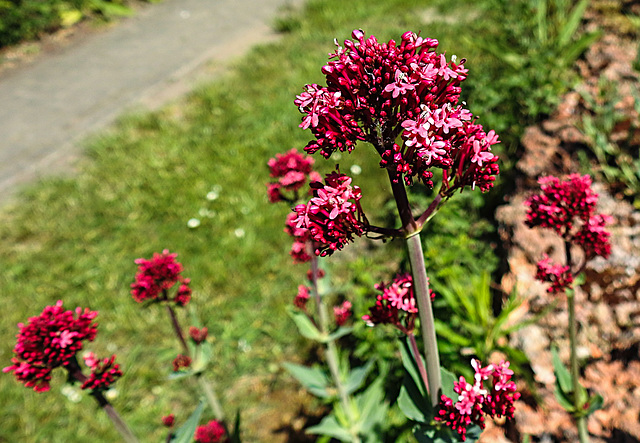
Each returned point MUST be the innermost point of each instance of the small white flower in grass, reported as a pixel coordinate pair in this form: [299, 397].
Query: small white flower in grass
[212, 195]
[193, 223]
[71, 393]
[239, 232]
[243, 346]
[111, 394]
[356, 169]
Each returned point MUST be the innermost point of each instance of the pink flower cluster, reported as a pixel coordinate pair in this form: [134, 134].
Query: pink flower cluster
[48, 341]
[198, 335]
[302, 242]
[292, 171]
[302, 298]
[559, 276]
[333, 216]
[156, 276]
[181, 362]
[103, 372]
[342, 313]
[568, 208]
[378, 91]
[476, 400]
[212, 432]
[396, 305]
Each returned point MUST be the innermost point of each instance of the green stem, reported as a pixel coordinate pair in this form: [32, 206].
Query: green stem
[418, 359]
[212, 399]
[581, 420]
[332, 352]
[427, 325]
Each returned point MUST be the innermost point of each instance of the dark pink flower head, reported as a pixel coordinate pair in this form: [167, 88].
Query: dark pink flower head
[292, 170]
[477, 400]
[333, 216]
[103, 373]
[301, 239]
[183, 296]
[212, 432]
[181, 362]
[302, 298]
[156, 276]
[198, 335]
[342, 313]
[559, 276]
[396, 305]
[48, 341]
[560, 202]
[593, 238]
[377, 91]
[169, 420]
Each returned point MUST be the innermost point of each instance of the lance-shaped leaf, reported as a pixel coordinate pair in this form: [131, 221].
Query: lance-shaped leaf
[330, 426]
[314, 379]
[184, 434]
[306, 326]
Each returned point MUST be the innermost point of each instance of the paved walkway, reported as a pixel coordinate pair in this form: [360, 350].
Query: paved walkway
[48, 106]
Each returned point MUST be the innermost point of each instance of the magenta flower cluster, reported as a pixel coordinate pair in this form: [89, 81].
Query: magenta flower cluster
[568, 207]
[103, 372]
[48, 341]
[396, 305]
[212, 432]
[292, 171]
[476, 400]
[342, 313]
[158, 274]
[333, 215]
[376, 92]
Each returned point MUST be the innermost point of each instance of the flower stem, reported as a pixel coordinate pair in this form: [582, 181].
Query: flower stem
[581, 420]
[420, 284]
[76, 373]
[427, 326]
[177, 329]
[332, 352]
[418, 359]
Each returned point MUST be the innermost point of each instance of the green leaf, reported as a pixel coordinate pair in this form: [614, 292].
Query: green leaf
[305, 326]
[330, 426]
[372, 407]
[595, 402]
[180, 374]
[429, 434]
[447, 380]
[411, 366]
[357, 377]
[184, 434]
[235, 435]
[564, 399]
[445, 331]
[571, 25]
[313, 379]
[341, 332]
[563, 376]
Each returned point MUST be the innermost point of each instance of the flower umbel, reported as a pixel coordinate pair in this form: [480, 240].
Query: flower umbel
[292, 170]
[156, 276]
[212, 432]
[476, 400]
[103, 373]
[376, 92]
[333, 216]
[48, 341]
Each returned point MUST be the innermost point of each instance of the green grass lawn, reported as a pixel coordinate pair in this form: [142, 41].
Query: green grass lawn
[75, 239]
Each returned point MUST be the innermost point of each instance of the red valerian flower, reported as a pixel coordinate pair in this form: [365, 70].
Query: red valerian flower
[180, 362]
[396, 305]
[169, 420]
[476, 400]
[292, 171]
[593, 238]
[559, 276]
[157, 275]
[48, 341]
[301, 239]
[302, 298]
[376, 92]
[198, 335]
[342, 313]
[560, 202]
[334, 215]
[212, 432]
[103, 373]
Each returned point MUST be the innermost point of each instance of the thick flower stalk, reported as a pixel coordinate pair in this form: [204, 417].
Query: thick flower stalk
[477, 400]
